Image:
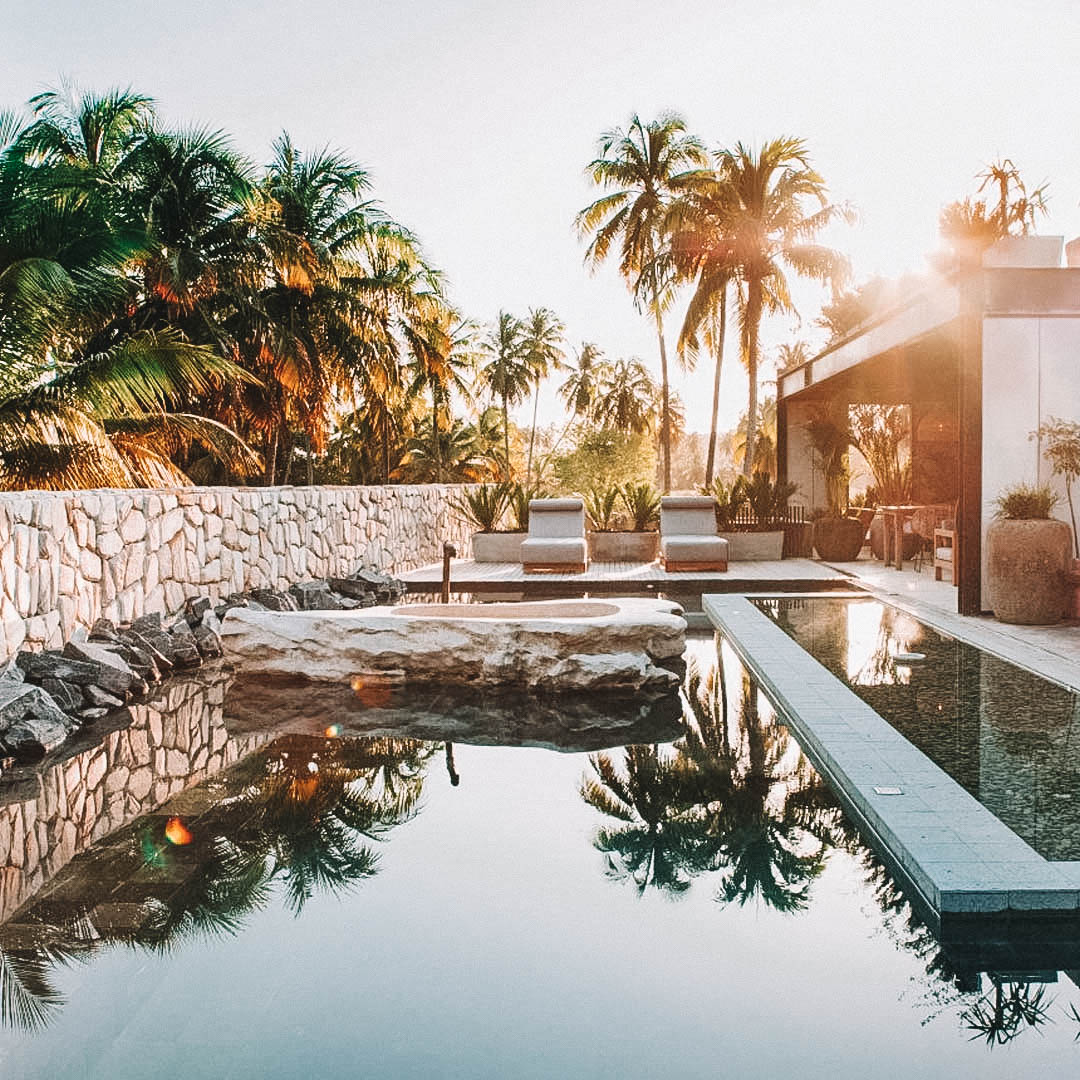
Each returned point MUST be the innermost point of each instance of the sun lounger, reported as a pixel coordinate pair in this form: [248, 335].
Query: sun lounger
[556, 540]
[688, 539]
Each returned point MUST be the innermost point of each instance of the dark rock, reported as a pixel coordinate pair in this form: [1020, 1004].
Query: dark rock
[114, 675]
[185, 648]
[157, 643]
[140, 661]
[145, 623]
[95, 712]
[12, 673]
[31, 723]
[52, 663]
[66, 695]
[23, 659]
[99, 699]
[231, 601]
[357, 590]
[315, 596]
[208, 643]
[194, 608]
[104, 630]
[273, 601]
[347, 603]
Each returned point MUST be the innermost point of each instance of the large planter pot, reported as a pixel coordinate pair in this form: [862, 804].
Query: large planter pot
[1027, 570]
[839, 539]
[624, 546]
[877, 540]
[1074, 590]
[497, 547]
[754, 546]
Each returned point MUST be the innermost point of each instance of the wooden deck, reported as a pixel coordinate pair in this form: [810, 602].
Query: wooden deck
[787, 575]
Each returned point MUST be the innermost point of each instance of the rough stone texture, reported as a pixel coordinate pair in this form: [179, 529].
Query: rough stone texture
[52, 812]
[549, 645]
[70, 559]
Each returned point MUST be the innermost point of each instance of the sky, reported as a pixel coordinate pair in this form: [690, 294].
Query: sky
[476, 119]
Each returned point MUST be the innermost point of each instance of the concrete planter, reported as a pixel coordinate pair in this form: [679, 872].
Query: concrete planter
[754, 546]
[497, 547]
[624, 546]
[1027, 568]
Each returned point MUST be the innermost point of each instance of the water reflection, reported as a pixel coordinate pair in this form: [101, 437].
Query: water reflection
[733, 797]
[1007, 736]
[297, 818]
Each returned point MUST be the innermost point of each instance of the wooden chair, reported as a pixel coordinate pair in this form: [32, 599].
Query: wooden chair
[945, 548]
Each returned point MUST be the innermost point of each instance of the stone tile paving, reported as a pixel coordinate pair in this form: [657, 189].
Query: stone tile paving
[958, 854]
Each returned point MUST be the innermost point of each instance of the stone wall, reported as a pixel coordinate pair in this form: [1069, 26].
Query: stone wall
[50, 814]
[68, 558]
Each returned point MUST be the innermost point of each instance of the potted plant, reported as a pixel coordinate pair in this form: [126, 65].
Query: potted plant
[760, 501]
[484, 507]
[837, 537]
[1028, 556]
[624, 521]
[1061, 447]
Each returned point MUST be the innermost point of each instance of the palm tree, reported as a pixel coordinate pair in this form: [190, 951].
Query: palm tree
[701, 243]
[543, 353]
[640, 169]
[507, 373]
[626, 397]
[770, 229]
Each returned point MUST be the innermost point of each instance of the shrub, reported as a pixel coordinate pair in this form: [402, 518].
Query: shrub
[642, 503]
[483, 506]
[1026, 502]
[768, 501]
[600, 505]
[519, 496]
[730, 499]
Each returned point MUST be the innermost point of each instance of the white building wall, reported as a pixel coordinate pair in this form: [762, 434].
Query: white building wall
[1031, 372]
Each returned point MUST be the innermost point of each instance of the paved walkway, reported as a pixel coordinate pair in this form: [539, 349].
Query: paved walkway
[1050, 651]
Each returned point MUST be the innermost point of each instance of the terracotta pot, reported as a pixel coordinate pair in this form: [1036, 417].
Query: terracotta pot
[877, 540]
[1027, 570]
[497, 547]
[838, 539]
[624, 546]
[1074, 593]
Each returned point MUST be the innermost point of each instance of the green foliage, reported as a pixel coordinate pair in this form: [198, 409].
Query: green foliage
[1061, 447]
[600, 505]
[882, 434]
[520, 497]
[829, 439]
[768, 501]
[642, 502]
[483, 506]
[730, 499]
[1026, 502]
[605, 458]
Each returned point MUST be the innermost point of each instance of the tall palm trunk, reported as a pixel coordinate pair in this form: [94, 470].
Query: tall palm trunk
[271, 457]
[506, 433]
[710, 459]
[532, 435]
[665, 395]
[436, 442]
[753, 324]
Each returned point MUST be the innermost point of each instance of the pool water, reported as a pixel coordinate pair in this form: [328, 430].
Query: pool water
[1009, 737]
[348, 906]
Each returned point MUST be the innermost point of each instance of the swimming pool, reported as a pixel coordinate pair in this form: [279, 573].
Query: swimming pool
[1007, 736]
[383, 905]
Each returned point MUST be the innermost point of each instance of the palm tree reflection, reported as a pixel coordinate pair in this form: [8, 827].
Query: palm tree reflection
[300, 817]
[735, 798]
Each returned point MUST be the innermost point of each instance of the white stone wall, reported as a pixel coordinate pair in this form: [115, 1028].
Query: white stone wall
[68, 558]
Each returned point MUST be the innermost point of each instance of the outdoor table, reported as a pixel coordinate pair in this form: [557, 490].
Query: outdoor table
[894, 519]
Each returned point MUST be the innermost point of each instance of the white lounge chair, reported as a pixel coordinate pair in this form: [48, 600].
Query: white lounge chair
[688, 539]
[556, 540]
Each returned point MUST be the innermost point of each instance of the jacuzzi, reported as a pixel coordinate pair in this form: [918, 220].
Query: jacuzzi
[545, 645]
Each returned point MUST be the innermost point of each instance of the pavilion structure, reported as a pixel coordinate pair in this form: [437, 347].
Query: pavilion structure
[982, 359]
